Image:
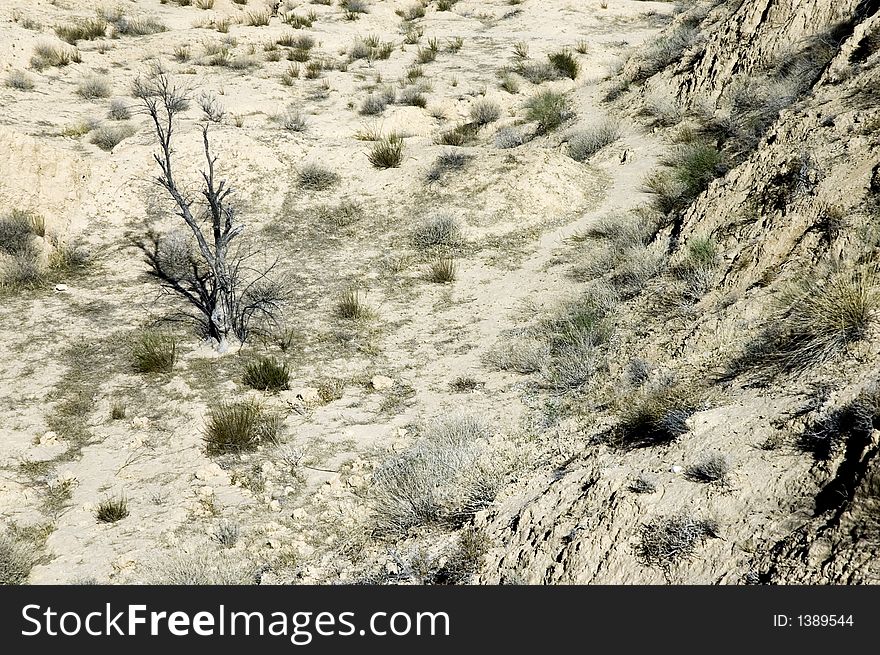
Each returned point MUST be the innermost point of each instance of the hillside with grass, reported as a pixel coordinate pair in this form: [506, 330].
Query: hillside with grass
[439, 292]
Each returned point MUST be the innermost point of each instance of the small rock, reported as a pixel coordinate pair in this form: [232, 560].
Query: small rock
[298, 513]
[381, 382]
[274, 506]
[49, 437]
[309, 395]
[206, 492]
[61, 287]
[676, 469]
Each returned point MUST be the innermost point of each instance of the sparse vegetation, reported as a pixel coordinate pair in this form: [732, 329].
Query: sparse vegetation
[565, 63]
[549, 110]
[657, 416]
[93, 87]
[19, 80]
[484, 111]
[108, 137]
[584, 144]
[16, 560]
[267, 374]
[154, 352]
[111, 510]
[387, 153]
[443, 230]
[238, 427]
[666, 540]
[315, 177]
[442, 270]
[712, 468]
[442, 479]
[49, 54]
[352, 306]
[816, 319]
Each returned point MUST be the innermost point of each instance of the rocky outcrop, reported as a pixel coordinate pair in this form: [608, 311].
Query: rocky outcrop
[798, 202]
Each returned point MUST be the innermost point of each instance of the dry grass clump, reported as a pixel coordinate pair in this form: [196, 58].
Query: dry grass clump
[549, 109]
[853, 423]
[441, 480]
[665, 540]
[352, 306]
[817, 318]
[267, 374]
[527, 354]
[83, 30]
[108, 137]
[585, 143]
[565, 63]
[111, 510]
[119, 110]
[16, 560]
[315, 177]
[657, 416]
[19, 80]
[576, 337]
[714, 467]
[662, 52]
[205, 566]
[387, 153]
[690, 167]
[443, 230]
[93, 87]
[460, 135]
[292, 120]
[511, 137]
[445, 163]
[50, 54]
[237, 427]
[413, 96]
[484, 111]
[442, 269]
[154, 352]
[20, 254]
[258, 17]
[375, 103]
[537, 72]
[696, 269]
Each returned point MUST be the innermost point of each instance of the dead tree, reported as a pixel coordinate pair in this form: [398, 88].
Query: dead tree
[212, 276]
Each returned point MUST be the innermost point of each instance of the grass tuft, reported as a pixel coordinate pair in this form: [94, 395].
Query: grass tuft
[238, 427]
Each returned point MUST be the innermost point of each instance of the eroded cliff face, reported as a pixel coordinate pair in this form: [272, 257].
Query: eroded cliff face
[794, 202]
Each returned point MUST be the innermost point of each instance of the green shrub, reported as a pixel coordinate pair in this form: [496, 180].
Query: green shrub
[238, 427]
[387, 153]
[566, 63]
[549, 110]
[267, 374]
[484, 111]
[657, 416]
[690, 169]
[154, 352]
[112, 510]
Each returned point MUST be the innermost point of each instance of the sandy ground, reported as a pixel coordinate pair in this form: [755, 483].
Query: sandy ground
[69, 348]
